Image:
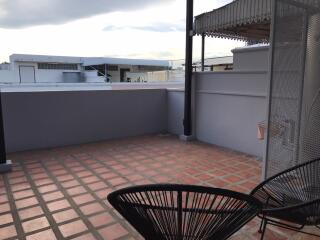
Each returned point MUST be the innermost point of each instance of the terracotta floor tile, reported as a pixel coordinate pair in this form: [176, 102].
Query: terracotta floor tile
[102, 194]
[5, 207]
[35, 224]
[47, 188]
[232, 179]
[100, 168]
[39, 176]
[30, 212]
[97, 186]
[23, 194]
[109, 175]
[7, 232]
[20, 186]
[91, 208]
[88, 236]
[85, 198]
[44, 181]
[64, 178]
[91, 179]
[3, 198]
[44, 235]
[83, 174]
[101, 219]
[134, 177]
[117, 181]
[113, 232]
[64, 216]
[70, 184]
[26, 202]
[58, 205]
[72, 228]
[18, 180]
[52, 196]
[6, 218]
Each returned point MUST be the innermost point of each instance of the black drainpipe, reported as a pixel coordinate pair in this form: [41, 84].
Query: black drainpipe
[188, 70]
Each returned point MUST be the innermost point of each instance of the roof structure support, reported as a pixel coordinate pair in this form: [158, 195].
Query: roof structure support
[187, 122]
[203, 51]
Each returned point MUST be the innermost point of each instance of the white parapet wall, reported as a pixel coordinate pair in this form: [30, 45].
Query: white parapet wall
[43, 119]
[229, 107]
[7, 76]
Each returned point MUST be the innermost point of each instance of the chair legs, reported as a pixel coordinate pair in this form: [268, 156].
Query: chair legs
[263, 227]
[265, 222]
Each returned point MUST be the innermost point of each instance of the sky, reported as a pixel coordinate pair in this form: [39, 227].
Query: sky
[149, 29]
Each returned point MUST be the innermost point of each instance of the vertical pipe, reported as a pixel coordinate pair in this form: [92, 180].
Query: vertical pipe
[203, 51]
[3, 155]
[105, 72]
[188, 70]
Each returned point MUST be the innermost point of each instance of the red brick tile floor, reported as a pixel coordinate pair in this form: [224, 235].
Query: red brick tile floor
[61, 193]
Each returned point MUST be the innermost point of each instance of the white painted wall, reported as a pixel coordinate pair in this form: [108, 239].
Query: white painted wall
[43, 75]
[35, 120]
[7, 76]
[255, 58]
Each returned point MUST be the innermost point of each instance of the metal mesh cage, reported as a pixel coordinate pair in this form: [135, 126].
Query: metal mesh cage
[294, 114]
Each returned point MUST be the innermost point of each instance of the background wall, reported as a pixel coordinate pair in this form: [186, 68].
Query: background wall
[251, 58]
[229, 107]
[175, 111]
[35, 120]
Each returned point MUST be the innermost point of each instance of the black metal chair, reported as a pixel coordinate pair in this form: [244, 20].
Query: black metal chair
[291, 199]
[178, 212]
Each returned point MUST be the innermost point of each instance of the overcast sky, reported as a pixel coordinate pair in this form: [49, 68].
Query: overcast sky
[122, 28]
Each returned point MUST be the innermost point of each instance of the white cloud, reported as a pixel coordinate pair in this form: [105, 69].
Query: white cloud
[86, 37]
[153, 27]
[23, 13]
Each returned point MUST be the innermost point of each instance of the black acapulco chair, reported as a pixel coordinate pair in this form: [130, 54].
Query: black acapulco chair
[291, 199]
[179, 212]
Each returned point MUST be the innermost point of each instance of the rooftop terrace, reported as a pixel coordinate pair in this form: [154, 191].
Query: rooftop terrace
[60, 193]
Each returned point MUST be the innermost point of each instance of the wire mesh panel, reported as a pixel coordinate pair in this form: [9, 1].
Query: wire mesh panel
[294, 116]
[311, 98]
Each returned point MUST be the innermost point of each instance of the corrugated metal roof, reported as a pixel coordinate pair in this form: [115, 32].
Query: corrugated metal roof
[44, 58]
[230, 21]
[87, 61]
[241, 19]
[123, 61]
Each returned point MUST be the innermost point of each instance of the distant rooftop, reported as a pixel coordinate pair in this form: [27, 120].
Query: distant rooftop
[86, 61]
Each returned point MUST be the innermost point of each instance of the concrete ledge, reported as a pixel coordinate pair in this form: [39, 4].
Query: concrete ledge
[187, 138]
[7, 167]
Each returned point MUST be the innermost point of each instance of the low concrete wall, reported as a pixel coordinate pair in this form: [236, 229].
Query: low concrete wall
[229, 106]
[35, 120]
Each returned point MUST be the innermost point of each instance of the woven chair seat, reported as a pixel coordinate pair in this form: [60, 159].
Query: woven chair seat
[178, 212]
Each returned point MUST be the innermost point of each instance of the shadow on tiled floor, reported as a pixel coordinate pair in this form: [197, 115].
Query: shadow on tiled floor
[61, 193]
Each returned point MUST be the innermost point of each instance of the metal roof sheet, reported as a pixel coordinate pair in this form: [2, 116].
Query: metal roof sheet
[123, 61]
[231, 20]
[241, 19]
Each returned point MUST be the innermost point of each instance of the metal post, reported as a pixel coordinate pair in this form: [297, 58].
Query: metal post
[5, 165]
[106, 72]
[203, 51]
[3, 154]
[188, 70]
